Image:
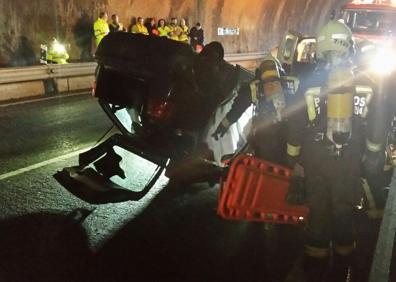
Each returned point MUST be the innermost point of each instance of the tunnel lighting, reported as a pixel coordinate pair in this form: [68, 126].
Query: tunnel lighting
[393, 2]
[363, 2]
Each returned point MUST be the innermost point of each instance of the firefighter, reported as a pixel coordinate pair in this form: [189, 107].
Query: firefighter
[379, 156]
[323, 145]
[269, 93]
[101, 28]
[57, 53]
[377, 164]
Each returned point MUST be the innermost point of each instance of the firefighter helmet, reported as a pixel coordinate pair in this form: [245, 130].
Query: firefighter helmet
[335, 39]
[269, 73]
[270, 67]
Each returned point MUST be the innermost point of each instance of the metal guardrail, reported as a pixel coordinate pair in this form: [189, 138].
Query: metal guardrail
[244, 57]
[34, 73]
[15, 75]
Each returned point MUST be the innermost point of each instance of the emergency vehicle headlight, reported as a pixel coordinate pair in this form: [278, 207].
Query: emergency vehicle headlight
[383, 62]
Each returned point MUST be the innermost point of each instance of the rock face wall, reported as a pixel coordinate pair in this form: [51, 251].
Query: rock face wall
[261, 22]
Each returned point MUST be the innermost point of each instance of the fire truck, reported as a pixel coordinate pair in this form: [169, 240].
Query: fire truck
[373, 25]
[373, 20]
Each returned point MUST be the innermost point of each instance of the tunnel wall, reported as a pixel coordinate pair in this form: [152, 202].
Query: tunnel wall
[261, 22]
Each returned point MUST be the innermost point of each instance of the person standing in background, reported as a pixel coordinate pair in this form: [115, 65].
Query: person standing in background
[196, 36]
[115, 24]
[163, 29]
[183, 37]
[101, 27]
[174, 30]
[172, 25]
[139, 27]
[152, 27]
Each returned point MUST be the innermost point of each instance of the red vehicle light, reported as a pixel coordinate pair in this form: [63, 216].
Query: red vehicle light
[160, 109]
[93, 90]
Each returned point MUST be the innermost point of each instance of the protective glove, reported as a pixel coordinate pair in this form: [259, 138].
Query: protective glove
[296, 193]
[220, 131]
[373, 162]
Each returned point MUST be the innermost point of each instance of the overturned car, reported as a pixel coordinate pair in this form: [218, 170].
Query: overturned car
[160, 96]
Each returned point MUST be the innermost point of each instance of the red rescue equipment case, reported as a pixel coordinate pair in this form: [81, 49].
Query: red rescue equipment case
[255, 190]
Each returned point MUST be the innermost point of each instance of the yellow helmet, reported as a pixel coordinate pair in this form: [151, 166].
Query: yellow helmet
[334, 38]
[269, 68]
[269, 72]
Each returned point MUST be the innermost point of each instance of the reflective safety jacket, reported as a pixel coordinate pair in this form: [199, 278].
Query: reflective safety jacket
[163, 31]
[184, 34]
[101, 29]
[175, 32]
[57, 57]
[171, 27]
[309, 120]
[139, 28]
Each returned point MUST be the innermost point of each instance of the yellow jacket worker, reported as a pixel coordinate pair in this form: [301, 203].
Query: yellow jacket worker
[101, 27]
[139, 27]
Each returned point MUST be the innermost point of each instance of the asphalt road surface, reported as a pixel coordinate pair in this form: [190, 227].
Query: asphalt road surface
[47, 234]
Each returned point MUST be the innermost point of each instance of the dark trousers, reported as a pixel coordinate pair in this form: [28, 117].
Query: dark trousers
[270, 143]
[333, 189]
[377, 183]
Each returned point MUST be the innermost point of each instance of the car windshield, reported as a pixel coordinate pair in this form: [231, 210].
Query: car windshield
[371, 22]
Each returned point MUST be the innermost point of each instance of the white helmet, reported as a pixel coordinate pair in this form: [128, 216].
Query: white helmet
[334, 40]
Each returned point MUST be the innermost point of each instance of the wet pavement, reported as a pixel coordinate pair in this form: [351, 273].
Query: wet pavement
[47, 234]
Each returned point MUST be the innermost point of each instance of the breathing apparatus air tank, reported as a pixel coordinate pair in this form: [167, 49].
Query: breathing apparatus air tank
[339, 107]
[271, 80]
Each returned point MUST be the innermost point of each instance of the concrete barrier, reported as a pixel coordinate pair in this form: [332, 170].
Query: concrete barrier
[74, 83]
[17, 83]
[20, 90]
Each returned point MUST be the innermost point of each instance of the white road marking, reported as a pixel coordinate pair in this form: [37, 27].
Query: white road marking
[44, 99]
[41, 164]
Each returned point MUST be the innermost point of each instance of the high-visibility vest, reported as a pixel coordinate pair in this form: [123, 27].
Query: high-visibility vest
[57, 57]
[184, 34]
[101, 29]
[139, 28]
[163, 31]
[171, 27]
[175, 30]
